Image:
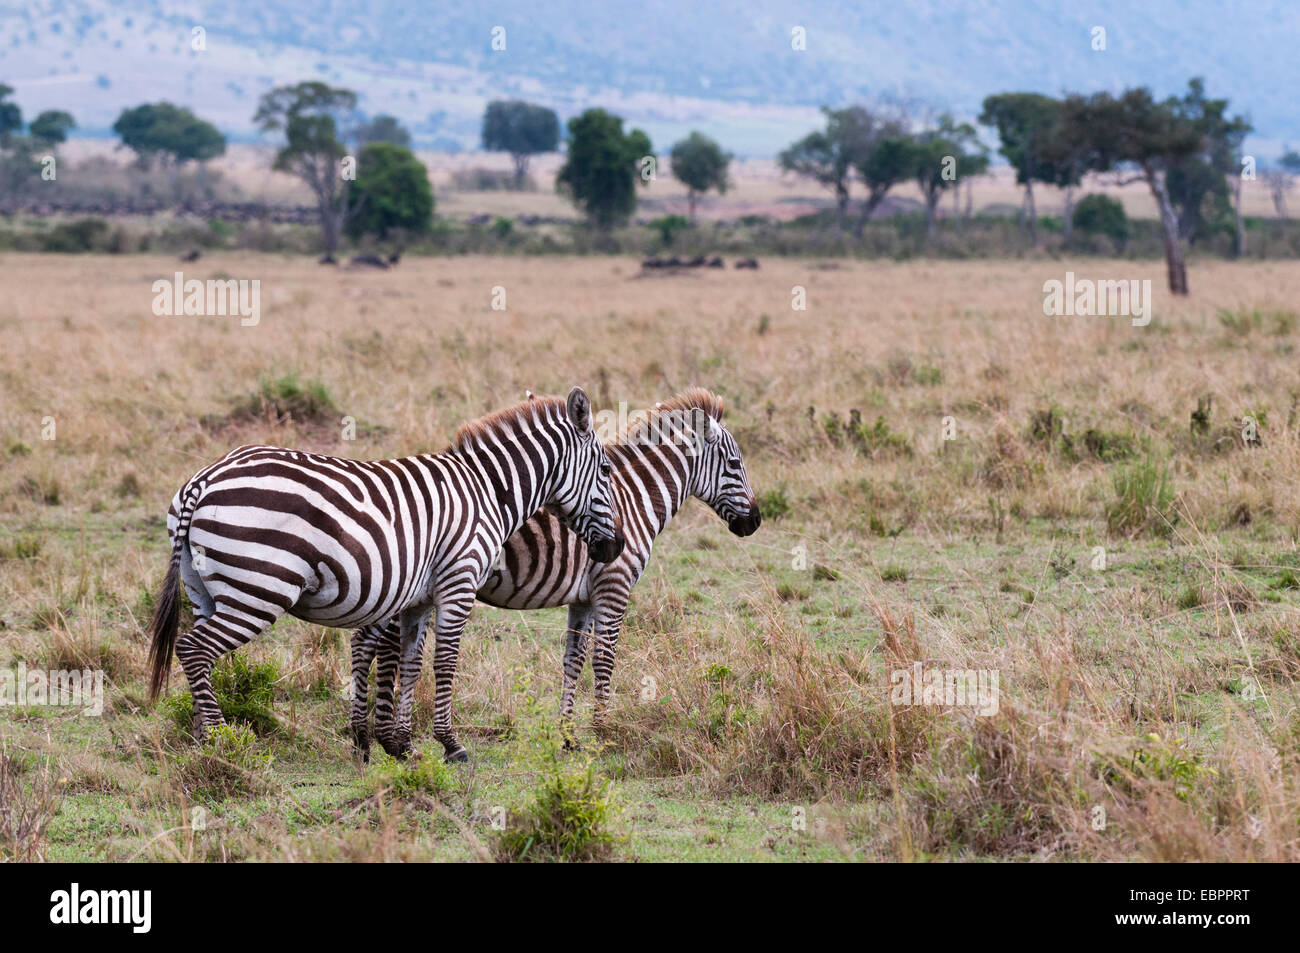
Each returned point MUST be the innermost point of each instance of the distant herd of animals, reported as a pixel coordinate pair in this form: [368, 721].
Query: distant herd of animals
[375, 261]
[526, 509]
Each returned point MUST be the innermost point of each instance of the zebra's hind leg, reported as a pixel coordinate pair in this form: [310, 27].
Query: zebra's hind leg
[365, 643]
[198, 649]
[575, 657]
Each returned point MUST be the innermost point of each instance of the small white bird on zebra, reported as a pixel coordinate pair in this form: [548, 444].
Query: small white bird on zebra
[679, 450]
[345, 543]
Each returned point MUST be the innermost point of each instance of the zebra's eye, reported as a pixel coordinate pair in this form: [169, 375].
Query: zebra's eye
[734, 463]
[604, 468]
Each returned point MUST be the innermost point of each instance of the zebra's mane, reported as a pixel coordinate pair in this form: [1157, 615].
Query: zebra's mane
[693, 398]
[509, 420]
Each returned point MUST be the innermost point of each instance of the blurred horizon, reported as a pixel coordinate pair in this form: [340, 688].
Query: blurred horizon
[729, 69]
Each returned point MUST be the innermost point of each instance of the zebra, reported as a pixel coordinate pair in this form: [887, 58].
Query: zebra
[344, 543]
[545, 565]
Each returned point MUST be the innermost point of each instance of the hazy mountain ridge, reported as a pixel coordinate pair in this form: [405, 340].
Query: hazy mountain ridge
[727, 66]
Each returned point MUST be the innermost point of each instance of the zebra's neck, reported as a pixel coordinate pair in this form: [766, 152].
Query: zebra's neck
[658, 477]
[512, 476]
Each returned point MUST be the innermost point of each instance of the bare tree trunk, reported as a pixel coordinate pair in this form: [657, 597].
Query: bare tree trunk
[690, 198]
[1177, 267]
[1031, 211]
[869, 205]
[521, 170]
[970, 198]
[1241, 222]
[931, 213]
[841, 204]
[1069, 213]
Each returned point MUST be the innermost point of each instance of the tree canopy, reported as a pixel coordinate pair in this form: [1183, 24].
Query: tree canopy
[700, 164]
[600, 173]
[168, 132]
[521, 129]
[391, 193]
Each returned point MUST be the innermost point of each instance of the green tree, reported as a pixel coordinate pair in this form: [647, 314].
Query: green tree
[1198, 184]
[11, 117]
[1134, 131]
[168, 133]
[521, 129]
[391, 194]
[700, 164]
[381, 128]
[828, 156]
[942, 157]
[600, 173]
[885, 163]
[51, 127]
[1027, 127]
[310, 114]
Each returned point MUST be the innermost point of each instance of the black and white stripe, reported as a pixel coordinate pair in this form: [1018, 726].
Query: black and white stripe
[681, 450]
[339, 542]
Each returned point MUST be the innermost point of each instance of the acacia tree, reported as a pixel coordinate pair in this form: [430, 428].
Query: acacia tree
[1026, 124]
[942, 157]
[521, 129]
[600, 173]
[1280, 181]
[382, 128]
[700, 164]
[310, 114]
[1135, 132]
[1198, 183]
[169, 134]
[828, 156]
[51, 127]
[11, 116]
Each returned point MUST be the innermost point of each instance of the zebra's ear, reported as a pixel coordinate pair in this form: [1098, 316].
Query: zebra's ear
[706, 428]
[530, 396]
[579, 407]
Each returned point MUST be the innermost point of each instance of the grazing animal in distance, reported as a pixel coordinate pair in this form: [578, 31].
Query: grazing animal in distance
[368, 261]
[192, 255]
[747, 263]
[266, 531]
[545, 565]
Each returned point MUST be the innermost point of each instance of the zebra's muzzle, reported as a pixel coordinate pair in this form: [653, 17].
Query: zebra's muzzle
[606, 550]
[746, 525]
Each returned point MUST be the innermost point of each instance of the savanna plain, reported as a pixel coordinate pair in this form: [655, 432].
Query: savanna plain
[1105, 515]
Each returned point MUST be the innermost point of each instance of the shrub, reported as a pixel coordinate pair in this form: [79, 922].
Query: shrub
[773, 502]
[1143, 494]
[428, 774]
[227, 765]
[568, 819]
[286, 397]
[245, 692]
[26, 809]
[1101, 215]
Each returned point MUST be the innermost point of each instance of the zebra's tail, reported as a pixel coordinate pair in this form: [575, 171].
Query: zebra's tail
[162, 630]
[167, 607]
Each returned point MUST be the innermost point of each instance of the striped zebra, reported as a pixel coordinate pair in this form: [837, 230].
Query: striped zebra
[346, 543]
[545, 565]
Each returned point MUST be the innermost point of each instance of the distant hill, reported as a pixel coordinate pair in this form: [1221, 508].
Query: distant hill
[725, 66]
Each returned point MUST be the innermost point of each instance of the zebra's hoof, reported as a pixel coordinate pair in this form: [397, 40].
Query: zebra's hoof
[458, 757]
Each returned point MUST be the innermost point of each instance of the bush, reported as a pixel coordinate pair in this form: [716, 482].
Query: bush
[83, 235]
[227, 765]
[568, 819]
[245, 692]
[428, 774]
[774, 503]
[1101, 215]
[1143, 494]
[285, 398]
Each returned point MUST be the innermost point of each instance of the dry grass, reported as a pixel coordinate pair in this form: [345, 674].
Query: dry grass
[1160, 691]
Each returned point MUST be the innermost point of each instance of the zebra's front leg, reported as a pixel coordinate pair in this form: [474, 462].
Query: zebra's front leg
[575, 656]
[608, 621]
[453, 611]
[398, 743]
[365, 643]
[390, 653]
